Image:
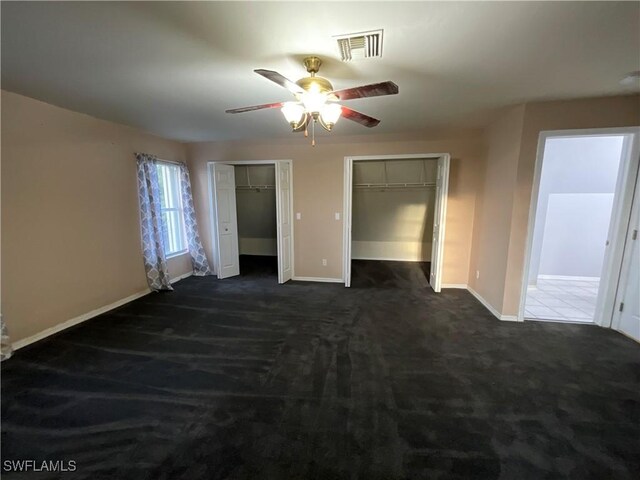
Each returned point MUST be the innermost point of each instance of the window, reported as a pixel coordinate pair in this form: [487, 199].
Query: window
[171, 208]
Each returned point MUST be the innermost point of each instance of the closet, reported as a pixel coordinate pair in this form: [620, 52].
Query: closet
[393, 209]
[256, 209]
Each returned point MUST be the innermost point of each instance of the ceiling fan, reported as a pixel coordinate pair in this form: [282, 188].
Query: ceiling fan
[316, 100]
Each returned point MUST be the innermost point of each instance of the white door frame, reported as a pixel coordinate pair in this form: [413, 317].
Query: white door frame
[619, 215]
[348, 205]
[212, 219]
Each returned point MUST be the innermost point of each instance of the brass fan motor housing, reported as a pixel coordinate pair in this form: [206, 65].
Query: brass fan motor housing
[312, 64]
[322, 84]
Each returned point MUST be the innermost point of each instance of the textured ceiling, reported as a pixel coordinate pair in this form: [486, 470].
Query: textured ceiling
[172, 68]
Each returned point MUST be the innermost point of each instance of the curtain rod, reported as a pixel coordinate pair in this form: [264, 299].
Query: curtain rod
[161, 159]
[171, 161]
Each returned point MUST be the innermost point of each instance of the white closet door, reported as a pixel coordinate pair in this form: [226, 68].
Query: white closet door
[627, 313]
[285, 227]
[224, 194]
[437, 248]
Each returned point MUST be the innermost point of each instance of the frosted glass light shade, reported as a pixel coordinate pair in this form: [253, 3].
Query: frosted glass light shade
[313, 101]
[293, 112]
[331, 113]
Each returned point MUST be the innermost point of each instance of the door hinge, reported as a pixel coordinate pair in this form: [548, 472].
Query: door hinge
[635, 235]
[621, 306]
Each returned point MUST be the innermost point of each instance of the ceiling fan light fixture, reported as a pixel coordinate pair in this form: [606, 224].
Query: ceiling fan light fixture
[330, 114]
[313, 100]
[316, 100]
[293, 112]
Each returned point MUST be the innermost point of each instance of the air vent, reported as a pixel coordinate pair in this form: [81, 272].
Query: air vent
[355, 46]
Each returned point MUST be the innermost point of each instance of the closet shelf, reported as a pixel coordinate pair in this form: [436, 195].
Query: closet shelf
[395, 185]
[255, 187]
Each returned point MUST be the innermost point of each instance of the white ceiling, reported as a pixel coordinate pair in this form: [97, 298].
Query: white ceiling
[172, 68]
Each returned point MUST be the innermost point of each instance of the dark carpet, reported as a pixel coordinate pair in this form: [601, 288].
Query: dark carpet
[246, 379]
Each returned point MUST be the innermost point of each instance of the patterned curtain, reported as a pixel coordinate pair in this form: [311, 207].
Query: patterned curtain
[198, 257]
[151, 223]
[5, 345]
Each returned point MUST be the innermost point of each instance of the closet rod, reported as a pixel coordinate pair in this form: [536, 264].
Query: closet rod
[394, 185]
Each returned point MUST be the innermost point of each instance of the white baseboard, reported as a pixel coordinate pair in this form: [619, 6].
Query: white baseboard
[568, 277]
[76, 320]
[318, 279]
[462, 286]
[181, 277]
[391, 251]
[488, 306]
[390, 259]
[86, 316]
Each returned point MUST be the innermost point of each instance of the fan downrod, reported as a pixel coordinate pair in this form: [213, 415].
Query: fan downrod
[312, 64]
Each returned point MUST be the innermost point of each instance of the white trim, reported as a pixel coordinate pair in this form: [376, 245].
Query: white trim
[212, 219]
[278, 166]
[76, 320]
[86, 316]
[346, 220]
[620, 221]
[621, 210]
[408, 156]
[177, 254]
[568, 277]
[347, 207]
[181, 277]
[317, 279]
[462, 286]
[385, 259]
[494, 312]
[441, 213]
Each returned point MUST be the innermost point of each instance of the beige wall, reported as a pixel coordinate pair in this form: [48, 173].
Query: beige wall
[493, 213]
[71, 238]
[71, 241]
[502, 217]
[607, 112]
[318, 189]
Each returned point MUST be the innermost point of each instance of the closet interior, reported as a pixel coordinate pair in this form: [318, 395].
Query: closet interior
[393, 210]
[256, 213]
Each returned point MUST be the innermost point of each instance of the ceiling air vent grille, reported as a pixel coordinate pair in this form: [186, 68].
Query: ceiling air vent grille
[360, 45]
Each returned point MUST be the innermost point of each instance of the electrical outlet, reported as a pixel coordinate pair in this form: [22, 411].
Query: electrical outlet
[477, 273]
[324, 262]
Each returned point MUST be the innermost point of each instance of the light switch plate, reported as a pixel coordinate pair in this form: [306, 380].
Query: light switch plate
[298, 216]
[337, 215]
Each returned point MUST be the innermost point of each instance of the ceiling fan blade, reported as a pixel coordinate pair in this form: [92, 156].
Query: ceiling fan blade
[360, 118]
[255, 107]
[280, 80]
[373, 90]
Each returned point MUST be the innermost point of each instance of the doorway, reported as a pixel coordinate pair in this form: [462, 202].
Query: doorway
[251, 212]
[395, 208]
[257, 219]
[581, 205]
[626, 316]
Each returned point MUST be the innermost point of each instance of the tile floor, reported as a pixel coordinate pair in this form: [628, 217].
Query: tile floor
[566, 300]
